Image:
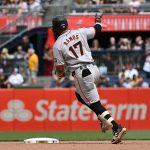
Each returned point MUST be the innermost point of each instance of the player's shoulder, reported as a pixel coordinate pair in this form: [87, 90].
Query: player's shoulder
[84, 30]
[78, 30]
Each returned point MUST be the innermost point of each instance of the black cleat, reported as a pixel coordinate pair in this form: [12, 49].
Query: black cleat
[121, 131]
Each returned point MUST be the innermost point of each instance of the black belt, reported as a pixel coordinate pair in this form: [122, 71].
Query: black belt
[82, 67]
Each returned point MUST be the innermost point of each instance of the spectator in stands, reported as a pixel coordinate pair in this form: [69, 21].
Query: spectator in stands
[112, 44]
[147, 45]
[12, 4]
[96, 45]
[124, 44]
[26, 44]
[142, 83]
[33, 61]
[23, 7]
[130, 71]
[103, 70]
[146, 66]
[14, 79]
[134, 6]
[34, 6]
[5, 54]
[134, 82]
[122, 72]
[19, 53]
[138, 81]
[124, 82]
[6, 58]
[2, 78]
[20, 60]
[4, 11]
[104, 79]
[139, 44]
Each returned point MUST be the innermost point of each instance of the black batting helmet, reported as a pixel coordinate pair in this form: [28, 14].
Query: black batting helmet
[59, 23]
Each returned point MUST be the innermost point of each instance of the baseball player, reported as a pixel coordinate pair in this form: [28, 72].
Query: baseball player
[71, 51]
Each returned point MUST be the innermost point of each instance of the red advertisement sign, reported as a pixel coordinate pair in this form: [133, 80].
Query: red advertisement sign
[110, 22]
[30, 21]
[113, 22]
[59, 110]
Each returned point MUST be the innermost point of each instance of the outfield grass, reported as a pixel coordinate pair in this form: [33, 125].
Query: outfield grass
[72, 136]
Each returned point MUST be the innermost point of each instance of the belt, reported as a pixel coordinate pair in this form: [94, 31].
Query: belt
[83, 67]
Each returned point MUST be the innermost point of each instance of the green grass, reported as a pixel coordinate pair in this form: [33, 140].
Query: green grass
[72, 136]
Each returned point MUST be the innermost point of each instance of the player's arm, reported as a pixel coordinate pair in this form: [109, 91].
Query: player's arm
[91, 32]
[59, 63]
[98, 25]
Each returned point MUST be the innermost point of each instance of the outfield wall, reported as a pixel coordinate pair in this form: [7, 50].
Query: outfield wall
[58, 109]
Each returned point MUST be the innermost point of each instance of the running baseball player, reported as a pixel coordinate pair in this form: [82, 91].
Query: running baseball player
[71, 51]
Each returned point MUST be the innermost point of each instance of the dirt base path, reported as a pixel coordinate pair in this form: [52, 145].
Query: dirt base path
[76, 145]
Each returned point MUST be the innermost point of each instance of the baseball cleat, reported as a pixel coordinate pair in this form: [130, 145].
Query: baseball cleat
[121, 131]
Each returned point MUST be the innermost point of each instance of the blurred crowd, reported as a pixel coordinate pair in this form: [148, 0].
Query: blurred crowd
[26, 67]
[132, 70]
[19, 7]
[128, 6]
[20, 66]
[123, 44]
[128, 77]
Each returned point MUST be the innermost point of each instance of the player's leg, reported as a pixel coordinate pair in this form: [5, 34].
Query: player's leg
[85, 86]
[103, 114]
[107, 120]
[103, 124]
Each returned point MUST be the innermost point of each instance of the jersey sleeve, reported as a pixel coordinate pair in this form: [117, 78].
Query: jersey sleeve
[58, 57]
[88, 32]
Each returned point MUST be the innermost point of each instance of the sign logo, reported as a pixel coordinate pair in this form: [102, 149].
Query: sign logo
[15, 111]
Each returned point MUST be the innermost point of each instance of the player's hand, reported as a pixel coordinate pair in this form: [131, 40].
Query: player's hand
[98, 18]
[60, 76]
[60, 71]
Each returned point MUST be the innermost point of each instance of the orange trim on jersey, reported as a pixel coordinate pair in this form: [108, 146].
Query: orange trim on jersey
[81, 90]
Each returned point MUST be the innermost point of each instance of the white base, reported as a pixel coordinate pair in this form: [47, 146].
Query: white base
[41, 140]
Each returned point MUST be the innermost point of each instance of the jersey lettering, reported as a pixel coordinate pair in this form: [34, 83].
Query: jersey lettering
[71, 38]
[76, 46]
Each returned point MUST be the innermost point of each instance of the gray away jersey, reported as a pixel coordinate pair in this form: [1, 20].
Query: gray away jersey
[72, 49]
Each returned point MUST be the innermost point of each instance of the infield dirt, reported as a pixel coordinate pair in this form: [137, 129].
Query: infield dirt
[78, 145]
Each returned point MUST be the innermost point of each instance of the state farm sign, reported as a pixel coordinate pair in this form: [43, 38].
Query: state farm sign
[41, 109]
[55, 112]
